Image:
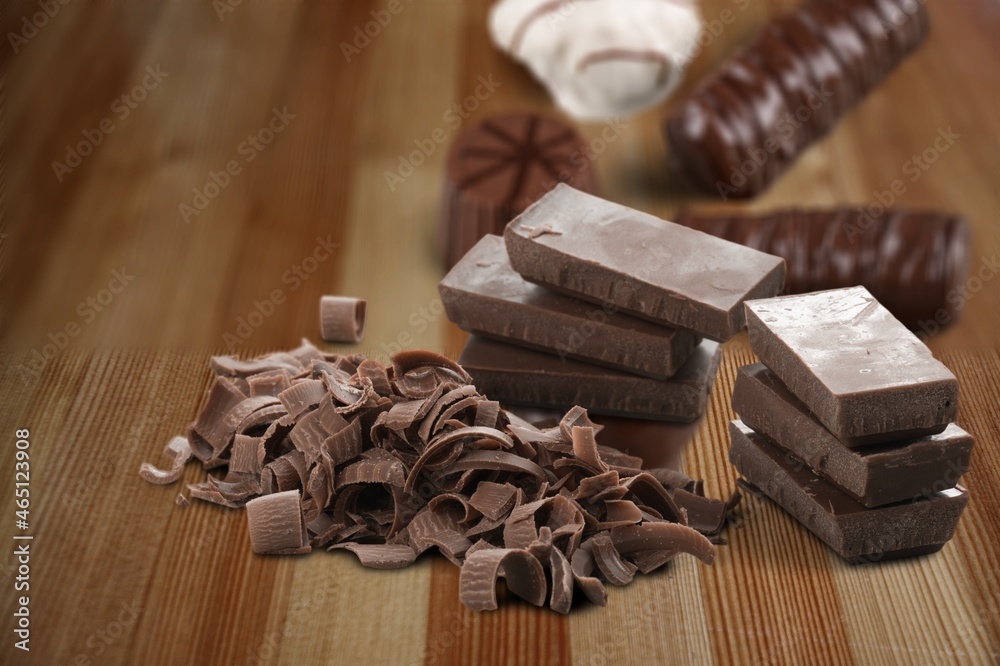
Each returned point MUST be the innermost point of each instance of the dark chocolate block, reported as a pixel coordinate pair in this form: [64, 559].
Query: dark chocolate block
[909, 260]
[855, 532]
[874, 475]
[860, 372]
[483, 295]
[605, 253]
[519, 376]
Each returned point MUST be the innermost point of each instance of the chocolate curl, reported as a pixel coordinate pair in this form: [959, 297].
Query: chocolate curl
[180, 453]
[342, 318]
[276, 525]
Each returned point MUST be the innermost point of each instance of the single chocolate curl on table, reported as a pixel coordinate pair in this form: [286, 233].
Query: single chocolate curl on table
[342, 318]
[910, 260]
[389, 461]
[751, 119]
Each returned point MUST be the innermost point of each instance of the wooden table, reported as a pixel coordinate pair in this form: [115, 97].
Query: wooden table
[120, 575]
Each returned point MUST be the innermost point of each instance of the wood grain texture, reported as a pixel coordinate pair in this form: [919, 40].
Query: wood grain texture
[122, 576]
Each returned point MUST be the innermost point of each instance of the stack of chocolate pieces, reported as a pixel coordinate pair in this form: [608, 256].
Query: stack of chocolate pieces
[847, 425]
[586, 302]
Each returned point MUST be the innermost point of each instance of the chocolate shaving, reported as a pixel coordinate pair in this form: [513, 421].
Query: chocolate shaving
[377, 375]
[209, 493]
[493, 500]
[585, 448]
[180, 453]
[381, 556]
[662, 536]
[582, 564]
[621, 512]
[223, 396]
[302, 395]
[270, 382]
[523, 572]
[346, 453]
[276, 525]
[499, 461]
[672, 479]
[703, 514]
[616, 570]
[230, 366]
[561, 598]
[372, 471]
[342, 318]
[487, 412]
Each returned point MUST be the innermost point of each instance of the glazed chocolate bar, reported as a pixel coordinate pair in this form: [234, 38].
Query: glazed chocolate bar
[609, 254]
[483, 295]
[519, 376]
[909, 260]
[501, 166]
[859, 371]
[856, 533]
[874, 475]
[749, 121]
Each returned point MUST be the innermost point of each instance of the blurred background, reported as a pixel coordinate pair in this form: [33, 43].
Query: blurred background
[310, 114]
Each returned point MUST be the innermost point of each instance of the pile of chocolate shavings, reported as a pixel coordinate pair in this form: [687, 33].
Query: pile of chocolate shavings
[387, 462]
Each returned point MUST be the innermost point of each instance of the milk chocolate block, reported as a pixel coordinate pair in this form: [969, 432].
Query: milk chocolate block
[483, 295]
[856, 533]
[519, 376]
[609, 254]
[873, 475]
[750, 119]
[910, 260]
[499, 167]
[860, 372]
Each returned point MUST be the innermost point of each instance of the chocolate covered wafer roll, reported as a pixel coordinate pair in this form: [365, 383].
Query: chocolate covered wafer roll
[754, 115]
[500, 167]
[909, 260]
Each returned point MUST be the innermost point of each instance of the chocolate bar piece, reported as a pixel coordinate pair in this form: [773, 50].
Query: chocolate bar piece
[501, 166]
[860, 372]
[749, 121]
[518, 376]
[909, 260]
[483, 295]
[873, 475]
[609, 254]
[855, 532]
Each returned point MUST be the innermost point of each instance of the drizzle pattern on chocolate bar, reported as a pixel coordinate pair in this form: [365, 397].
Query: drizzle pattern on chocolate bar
[788, 88]
[387, 462]
[909, 260]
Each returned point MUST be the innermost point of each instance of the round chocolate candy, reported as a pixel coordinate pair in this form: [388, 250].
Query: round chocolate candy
[501, 166]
